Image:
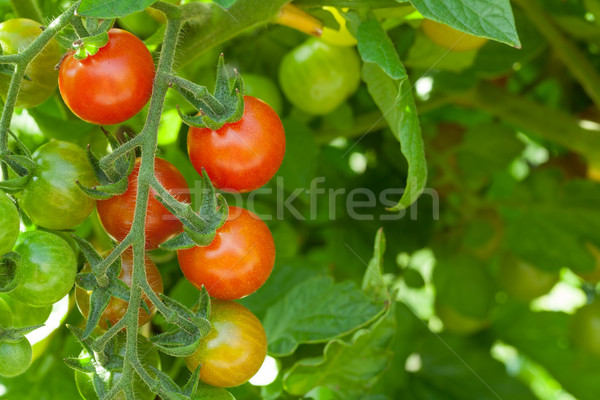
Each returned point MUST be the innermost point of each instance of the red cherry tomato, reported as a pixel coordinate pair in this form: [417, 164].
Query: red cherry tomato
[244, 155]
[237, 262]
[112, 85]
[117, 308]
[116, 213]
[234, 349]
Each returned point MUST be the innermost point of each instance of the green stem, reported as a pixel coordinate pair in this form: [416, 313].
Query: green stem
[22, 60]
[122, 150]
[145, 177]
[554, 125]
[27, 9]
[574, 59]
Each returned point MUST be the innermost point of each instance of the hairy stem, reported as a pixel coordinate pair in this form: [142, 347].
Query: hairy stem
[22, 60]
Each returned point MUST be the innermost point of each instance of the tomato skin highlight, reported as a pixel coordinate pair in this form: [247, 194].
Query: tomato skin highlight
[47, 269]
[116, 213]
[15, 35]
[52, 198]
[244, 155]
[235, 348]
[238, 261]
[112, 85]
[117, 308]
[10, 223]
[15, 358]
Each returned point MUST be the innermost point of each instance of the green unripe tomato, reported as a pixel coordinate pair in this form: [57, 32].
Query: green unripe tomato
[524, 281]
[52, 199]
[317, 77]
[458, 323]
[15, 35]
[10, 223]
[15, 357]
[23, 314]
[46, 272]
[265, 89]
[585, 328]
[451, 38]
[147, 354]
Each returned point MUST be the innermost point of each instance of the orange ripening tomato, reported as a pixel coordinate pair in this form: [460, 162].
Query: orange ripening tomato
[451, 38]
[112, 85]
[237, 262]
[244, 155]
[234, 349]
[116, 213]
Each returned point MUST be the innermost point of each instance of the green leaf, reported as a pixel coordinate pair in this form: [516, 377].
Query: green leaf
[488, 147]
[542, 336]
[492, 19]
[225, 3]
[549, 224]
[373, 282]
[463, 283]
[464, 369]
[350, 367]
[316, 311]
[391, 90]
[107, 9]
[205, 392]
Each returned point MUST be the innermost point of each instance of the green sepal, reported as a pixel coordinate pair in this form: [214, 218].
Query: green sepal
[190, 328]
[89, 252]
[199, 228]
[226, 105]
[9, 263]
[20, 145]
[80, 365]
[113, 181]
[23, 166]
[171, 391]
[7, 69]
[104, 192]
[13, 335]
[88, 46]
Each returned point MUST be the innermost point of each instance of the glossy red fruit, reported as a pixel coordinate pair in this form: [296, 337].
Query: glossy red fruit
[244, 155]
[238, 261]
[116, 213]
[112, 85]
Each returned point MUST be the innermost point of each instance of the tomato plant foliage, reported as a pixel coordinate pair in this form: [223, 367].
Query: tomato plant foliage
[404, 206]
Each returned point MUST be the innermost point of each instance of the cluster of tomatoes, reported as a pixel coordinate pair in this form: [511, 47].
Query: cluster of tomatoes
[240, 156]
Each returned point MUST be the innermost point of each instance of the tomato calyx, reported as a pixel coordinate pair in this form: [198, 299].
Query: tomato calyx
[190, 328]
[14, 335]
[21, 164]
[226, 105]
[102, 286]
[199, 229]
[89, 46]
[113, 180]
